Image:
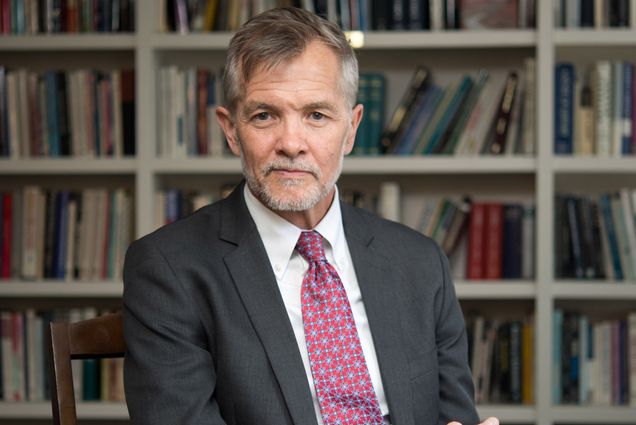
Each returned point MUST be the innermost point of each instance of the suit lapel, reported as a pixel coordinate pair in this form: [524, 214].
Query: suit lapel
[382, 305]
[256, 284]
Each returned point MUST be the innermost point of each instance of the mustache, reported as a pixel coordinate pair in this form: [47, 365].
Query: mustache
[290, 165]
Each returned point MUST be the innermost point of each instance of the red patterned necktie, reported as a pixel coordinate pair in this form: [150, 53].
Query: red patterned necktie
[343, 383]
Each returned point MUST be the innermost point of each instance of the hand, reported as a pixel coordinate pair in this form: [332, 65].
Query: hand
[489, 421]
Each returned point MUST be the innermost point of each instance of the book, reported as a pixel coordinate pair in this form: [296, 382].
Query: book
[563, 108]
[512, 248]
[480, 14]
[476, 242]
[602, 107]
[493, 241]
[502, 120]
[417, 86]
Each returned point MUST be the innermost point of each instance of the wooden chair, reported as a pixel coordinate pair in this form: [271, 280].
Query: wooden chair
[97, 338]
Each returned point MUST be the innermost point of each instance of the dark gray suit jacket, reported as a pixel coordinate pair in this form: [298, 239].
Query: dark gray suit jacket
[209, 341]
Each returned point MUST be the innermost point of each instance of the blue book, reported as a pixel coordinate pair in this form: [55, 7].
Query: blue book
[563, 108]
[453, 109]
[512, 241]
[376, 97]
[628, 95]
[610, 229]
[52, 113]
[572, 211]
[420, 120]
[363, 134]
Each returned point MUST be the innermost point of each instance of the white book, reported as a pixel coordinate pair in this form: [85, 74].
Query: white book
[599, 11]
[389, 201]
[436, 9]
[529, 107]
[603, 107]
[617, 108]
[482, 117]
[605, 363]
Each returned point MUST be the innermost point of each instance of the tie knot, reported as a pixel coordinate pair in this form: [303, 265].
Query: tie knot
[309, 245]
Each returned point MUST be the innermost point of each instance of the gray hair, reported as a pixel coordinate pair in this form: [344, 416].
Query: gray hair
[278, 36]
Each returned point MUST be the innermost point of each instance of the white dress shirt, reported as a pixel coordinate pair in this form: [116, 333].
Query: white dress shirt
[279, 237]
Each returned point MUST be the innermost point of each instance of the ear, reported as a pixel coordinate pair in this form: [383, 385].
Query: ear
[356, 118]
[224, 117]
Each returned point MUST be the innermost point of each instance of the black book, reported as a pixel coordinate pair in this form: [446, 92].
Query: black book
[515, 361]
[417, 87]
[49, 233]
[128, 110]
[587, 13]
[62, 105]
[597, 244]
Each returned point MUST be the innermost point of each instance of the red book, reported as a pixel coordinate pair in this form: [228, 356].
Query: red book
[7, 223]
[202, 100]
[493, 241]
[476, 227]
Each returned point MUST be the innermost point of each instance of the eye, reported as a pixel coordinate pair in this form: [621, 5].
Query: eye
[262, 116]
[317, 116]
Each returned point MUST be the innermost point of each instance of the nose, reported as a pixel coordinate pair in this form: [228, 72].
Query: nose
[292, 139]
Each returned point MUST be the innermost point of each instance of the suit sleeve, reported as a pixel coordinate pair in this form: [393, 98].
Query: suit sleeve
[455, 379]
[169, 372]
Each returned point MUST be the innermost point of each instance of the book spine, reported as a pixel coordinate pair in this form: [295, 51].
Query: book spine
[476, 235]
[628, 94]
[563, 108]
[493, 241]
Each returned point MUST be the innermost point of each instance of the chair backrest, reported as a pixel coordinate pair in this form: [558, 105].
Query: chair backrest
[101, 337]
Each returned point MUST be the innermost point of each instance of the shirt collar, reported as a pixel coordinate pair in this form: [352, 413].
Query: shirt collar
[280, 236]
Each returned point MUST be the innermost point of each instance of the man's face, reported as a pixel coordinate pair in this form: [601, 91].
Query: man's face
[292, 128]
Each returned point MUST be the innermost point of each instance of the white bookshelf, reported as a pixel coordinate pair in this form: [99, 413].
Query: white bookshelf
[395, 53]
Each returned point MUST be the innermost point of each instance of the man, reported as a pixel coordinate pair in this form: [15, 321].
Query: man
[279, 305]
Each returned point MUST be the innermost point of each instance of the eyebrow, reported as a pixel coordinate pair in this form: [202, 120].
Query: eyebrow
[250, 107]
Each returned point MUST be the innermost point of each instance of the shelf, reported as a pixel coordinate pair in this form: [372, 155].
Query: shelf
[449, 39]
[57, 42]
[200, 41]
[591, 37]
[594, 165]
[67, 166]
[488, 289]
[575, 289]
[42, 410]
[370, 165]
[508, 414]
[594, 414]
[439, 165]
[373, 40]
[56, 289]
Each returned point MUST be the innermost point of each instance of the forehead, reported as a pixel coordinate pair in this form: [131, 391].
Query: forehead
[316, 71]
